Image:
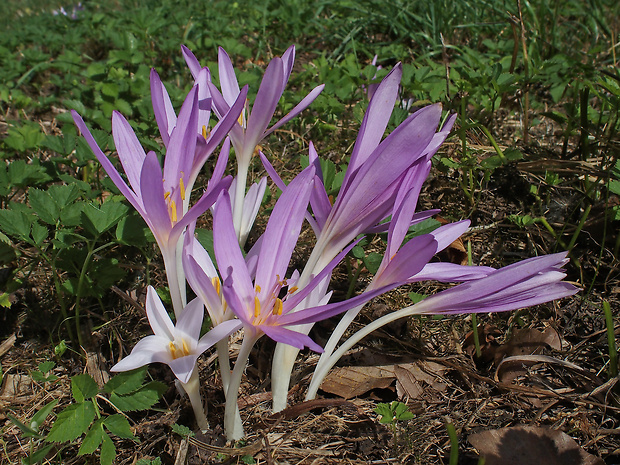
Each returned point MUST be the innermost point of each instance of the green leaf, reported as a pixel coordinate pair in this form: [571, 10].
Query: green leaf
[108, 451]
[182, 430]
[27, 430]
[83, 387]
[46, 366]
[155, 461]
[44, 205]
[38, 233]
[118, 425]
[132, 230]
[372, 261]
[126, 382]
[16, 223]
[93, 438]
[97, 219]
[72, 422]
[141, 399]
[39, 417]
[38, 456]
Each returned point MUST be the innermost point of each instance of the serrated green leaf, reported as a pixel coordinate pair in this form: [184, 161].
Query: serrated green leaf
[72, 422]
[44, 205]
[118, 425]
[38, 233]
[98, 219]
[372, 261]
[141, 399]
[46, 366]
[39, 417]
[132, 230]
[83, 387]
[155, 461]
[22, 174]
[108, 451]
[126, 382]
[93, 438]
[64, 194]
[182, 430]
[16, 223]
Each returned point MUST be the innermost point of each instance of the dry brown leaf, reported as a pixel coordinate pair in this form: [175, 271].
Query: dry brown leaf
[413, 379]
[348, 382]
[529, 341]
[513, 367]
[530, 445]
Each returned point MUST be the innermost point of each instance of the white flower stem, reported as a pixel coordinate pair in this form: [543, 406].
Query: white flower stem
[192, 388]
[223, 355]
[320, 373]
[172, 274]
[242, 178]
[234, 431]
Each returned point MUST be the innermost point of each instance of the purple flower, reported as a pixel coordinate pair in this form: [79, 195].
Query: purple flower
[252, 129]
[178, 346]
[161, 198]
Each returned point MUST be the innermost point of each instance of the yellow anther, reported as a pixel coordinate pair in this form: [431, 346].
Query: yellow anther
[204, 132]
[293, 289]
[240, 119]
[277, 307]
[258, 289]
[173, 211]
[177, 352]
[256, 307]
[182, 187]
[166, 195]
[173, 350]
[216, 284]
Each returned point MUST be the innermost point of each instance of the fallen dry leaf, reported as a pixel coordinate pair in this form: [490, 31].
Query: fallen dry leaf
[530, 445]
[529, 341]
[419, 379]
[349, 382]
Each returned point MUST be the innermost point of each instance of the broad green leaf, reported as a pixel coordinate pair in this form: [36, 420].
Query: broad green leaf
[132, 230]
[93, 438]
[141, 399]
[64, 194]
[126, 382]
[4, 300]
[97, 219]
[372, 261]
[44, 205]
[118, 425]
[16, 223]
[83, 387]
[46, 366]
[22, 174]
[108, 451]
[72, 422]
[38, 233]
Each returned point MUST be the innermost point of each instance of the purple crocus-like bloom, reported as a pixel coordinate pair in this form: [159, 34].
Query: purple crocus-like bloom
[178, 346]
[160, 197]
[529, 282]
[186, 156]
[253, 125]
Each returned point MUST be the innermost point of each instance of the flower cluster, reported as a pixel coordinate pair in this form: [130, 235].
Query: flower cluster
[257, 292]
